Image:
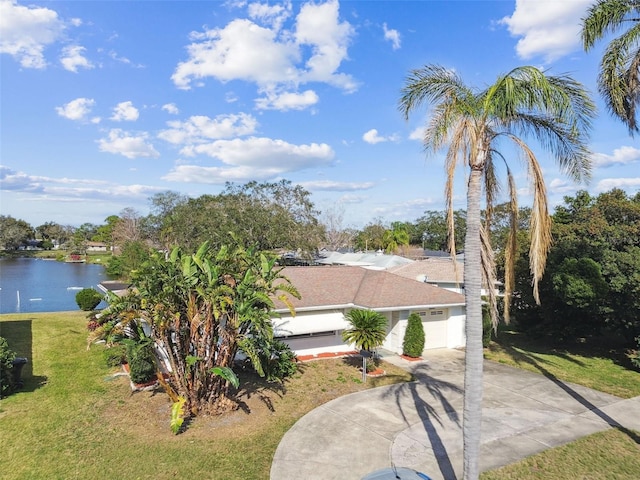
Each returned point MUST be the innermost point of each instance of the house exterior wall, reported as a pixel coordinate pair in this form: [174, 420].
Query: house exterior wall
[312, 333]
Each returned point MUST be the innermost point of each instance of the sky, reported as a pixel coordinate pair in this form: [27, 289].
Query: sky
[104, 104]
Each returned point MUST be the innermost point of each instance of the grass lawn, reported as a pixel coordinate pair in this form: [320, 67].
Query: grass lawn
[608, 455]
[612, 454]
[73, 420]
[604, 367]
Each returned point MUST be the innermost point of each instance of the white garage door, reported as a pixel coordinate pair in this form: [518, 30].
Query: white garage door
[434, 322]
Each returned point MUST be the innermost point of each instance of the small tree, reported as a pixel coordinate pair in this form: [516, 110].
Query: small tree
[88, 299]
[6, 365]
[368, 329]
[413, 343]
[202, 309]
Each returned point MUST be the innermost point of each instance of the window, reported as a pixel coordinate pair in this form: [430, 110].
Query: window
[328, 333]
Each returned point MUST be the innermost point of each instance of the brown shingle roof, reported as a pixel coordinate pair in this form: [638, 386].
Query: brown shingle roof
[361, 287]
[435, 269]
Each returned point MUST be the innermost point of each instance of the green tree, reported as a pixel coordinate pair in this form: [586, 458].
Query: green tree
[104, 233]
[14, 232]
[592, 280]
[434, 231]
[395, 237]
[371, 237]
[557, 111]
[203, 308]
[268, 216]
[367, 331]
[413, 342]
[619, 76]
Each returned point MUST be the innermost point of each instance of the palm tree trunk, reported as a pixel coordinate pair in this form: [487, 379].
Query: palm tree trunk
[472, 412]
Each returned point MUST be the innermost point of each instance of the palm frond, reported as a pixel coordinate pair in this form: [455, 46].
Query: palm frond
[511, 247]
[489, 274]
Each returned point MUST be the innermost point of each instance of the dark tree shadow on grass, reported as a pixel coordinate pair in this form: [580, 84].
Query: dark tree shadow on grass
[538, 364]
[253, 385]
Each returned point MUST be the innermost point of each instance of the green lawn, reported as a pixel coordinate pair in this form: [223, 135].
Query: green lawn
[602, 365]
[612, 454]
[74, 420]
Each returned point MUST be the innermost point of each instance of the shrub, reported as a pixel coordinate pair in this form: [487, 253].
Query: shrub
[115, 355]
[88, 299]
[281, 362]
[635, 359]
[413, 343]
[6, 366]
[142, 360]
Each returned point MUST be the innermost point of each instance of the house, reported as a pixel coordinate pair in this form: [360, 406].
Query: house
[441, 272]
[329, 293]
[438, 271]
[97, 247]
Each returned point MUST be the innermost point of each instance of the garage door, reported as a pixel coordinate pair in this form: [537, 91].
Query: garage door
[434, 322]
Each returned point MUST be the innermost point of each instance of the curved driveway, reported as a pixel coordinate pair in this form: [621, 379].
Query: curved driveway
[419, 425]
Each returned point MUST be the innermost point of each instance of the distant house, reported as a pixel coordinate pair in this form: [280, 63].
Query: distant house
[329, 293]
[438, 271]
[97, 247]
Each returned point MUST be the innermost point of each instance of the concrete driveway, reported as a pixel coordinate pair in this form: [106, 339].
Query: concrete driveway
[419, 425]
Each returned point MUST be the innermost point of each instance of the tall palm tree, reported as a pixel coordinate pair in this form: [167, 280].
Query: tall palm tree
[554, 110]
[619, 77]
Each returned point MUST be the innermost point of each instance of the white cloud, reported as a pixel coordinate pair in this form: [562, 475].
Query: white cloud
[329, 185]
[373, 137]
[392, 35]
[124, 60]
[621, 156]
[71, 189]
[622, 183]
[72, 58]
[78, 109]
[261, 152]
[26, 31]
[274, 15]
[171, 108]
[268, 55]
[131, 146]
[287, 101]
[352, 199]
[417, 134]
[548, 29]
[250, 159]
[200, 128]
[561, 186]
[125, 111]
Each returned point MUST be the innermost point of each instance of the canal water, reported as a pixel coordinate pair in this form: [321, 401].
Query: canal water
[37, 285]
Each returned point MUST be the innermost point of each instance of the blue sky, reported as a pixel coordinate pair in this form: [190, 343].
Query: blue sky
[103, 103]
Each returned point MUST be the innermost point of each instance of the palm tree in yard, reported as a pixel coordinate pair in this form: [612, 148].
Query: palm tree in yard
[473, 125]
[368, 329]
[619, 77]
